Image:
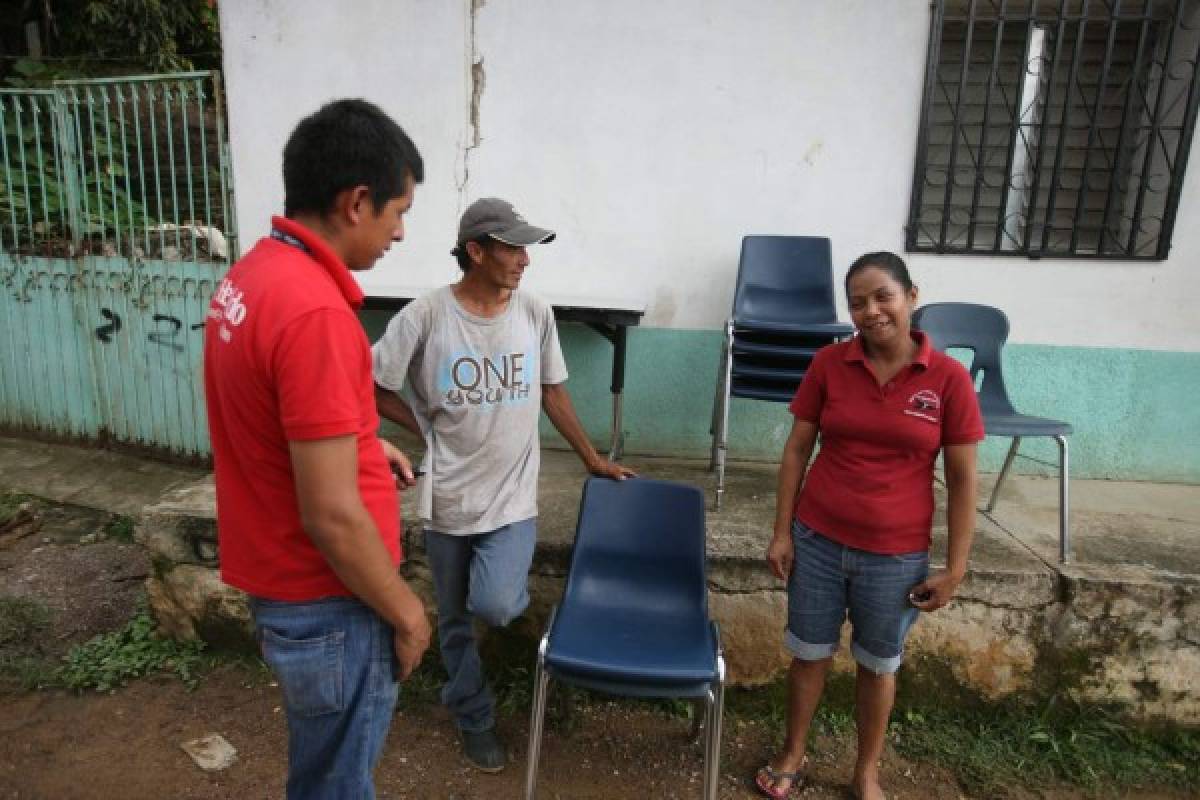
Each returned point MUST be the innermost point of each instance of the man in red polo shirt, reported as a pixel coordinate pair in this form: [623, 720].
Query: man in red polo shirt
[308, 518]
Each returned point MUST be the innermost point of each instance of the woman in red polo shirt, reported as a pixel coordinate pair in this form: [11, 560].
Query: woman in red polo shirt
[852, 538]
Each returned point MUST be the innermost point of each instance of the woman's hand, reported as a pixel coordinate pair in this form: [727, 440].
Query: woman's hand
[935, 591]
[780, 554]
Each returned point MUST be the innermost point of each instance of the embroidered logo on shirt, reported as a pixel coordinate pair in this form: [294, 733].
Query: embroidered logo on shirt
[924, 404]
[227, 308]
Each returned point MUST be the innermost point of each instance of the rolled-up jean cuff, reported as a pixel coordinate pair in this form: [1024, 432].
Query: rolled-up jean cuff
[880, 666]
[805, 651]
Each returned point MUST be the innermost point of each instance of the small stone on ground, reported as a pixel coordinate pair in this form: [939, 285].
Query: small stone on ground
[211, 753]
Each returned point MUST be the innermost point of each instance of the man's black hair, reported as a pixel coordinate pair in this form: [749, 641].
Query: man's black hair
[344, 144]
[464, 258]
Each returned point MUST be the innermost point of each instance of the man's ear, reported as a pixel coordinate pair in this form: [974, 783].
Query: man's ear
[475, 251]
[351, 206]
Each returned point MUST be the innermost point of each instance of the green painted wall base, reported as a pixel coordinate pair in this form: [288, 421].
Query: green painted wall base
[1135, 412]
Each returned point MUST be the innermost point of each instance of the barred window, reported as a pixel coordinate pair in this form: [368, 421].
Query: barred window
[1055, 128]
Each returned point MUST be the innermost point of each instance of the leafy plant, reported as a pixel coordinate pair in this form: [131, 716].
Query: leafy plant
[33, 182]
[113, 659]
[30, 73]
[120, 527]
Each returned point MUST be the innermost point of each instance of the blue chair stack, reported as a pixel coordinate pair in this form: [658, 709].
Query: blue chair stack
[783, 313]
[634, 616]
[983, 330]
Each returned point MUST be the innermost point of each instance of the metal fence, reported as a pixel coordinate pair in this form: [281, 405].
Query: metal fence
[116, 222]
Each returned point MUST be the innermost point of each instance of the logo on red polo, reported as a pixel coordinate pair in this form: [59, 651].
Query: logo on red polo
[924, 404]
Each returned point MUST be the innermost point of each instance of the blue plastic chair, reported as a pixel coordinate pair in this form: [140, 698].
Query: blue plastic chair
[634, 616]
[984, 330]
[783, 313]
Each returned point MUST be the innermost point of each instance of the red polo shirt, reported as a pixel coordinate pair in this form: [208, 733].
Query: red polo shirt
[285, 359]
[871, 484]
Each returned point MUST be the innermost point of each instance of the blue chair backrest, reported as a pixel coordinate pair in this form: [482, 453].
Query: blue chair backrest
[640, 544]
[785, 279]
[981, 329]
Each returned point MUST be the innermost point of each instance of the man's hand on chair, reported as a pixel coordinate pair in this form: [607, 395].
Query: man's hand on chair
[604, 468]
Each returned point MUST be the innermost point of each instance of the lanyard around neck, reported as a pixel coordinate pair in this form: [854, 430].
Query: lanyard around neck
[287, 238]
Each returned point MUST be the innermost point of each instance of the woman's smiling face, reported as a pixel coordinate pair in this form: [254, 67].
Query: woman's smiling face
[880, 307]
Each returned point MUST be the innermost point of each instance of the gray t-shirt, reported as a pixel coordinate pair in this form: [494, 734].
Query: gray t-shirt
[475, 386]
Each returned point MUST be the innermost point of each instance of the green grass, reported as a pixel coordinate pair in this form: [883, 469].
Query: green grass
[21, 619]
[998, 745]
[22, 662]
[991, 746]
[10, 502]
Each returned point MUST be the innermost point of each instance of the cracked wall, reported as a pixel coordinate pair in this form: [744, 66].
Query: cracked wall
[478, 81]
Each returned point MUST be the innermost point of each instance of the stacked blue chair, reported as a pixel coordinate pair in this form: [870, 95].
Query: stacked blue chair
[783, 313]
[634, 616]
[983, 330]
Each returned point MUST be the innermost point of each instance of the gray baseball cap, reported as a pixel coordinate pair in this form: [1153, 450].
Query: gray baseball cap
[491, 216]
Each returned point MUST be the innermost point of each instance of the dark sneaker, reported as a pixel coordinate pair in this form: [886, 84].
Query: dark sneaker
[483, 750]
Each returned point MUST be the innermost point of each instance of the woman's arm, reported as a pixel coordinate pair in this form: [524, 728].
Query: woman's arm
[796, 454]
[961, 482]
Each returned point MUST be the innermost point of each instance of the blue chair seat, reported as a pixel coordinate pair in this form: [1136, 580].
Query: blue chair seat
[830, 329]
[791, 374]
[774, 393]
[637, 646]
[1024, 425]
[773, 350]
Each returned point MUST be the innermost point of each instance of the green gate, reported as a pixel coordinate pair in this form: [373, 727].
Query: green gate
[116, 223]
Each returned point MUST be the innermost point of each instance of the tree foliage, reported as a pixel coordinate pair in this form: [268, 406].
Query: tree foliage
[85, 38]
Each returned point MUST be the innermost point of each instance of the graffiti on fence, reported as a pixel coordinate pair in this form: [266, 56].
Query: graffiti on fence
[104, 332]
[165, 338]
[168, 327]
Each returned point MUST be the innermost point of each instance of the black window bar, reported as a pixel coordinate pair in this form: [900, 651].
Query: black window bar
[1055, 129]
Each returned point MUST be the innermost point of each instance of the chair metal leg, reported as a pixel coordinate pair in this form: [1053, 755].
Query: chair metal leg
[541, 682]
[1064, 502]
[712, 750]
[1012, 453]
[723, 422]
[718, 391]
[710, 703]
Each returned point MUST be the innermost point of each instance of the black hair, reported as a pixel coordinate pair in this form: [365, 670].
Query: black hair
[344, 144]
[889, 262]
[463, 257]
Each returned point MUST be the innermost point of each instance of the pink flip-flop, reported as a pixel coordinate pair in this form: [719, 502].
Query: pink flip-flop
[772, 790]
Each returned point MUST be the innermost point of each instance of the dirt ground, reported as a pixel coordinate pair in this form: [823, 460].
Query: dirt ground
[56, 745]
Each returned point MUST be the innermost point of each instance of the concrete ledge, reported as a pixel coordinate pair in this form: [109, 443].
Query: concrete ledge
[1113, 633]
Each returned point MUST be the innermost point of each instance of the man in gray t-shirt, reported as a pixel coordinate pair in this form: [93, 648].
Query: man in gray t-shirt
[476, 361]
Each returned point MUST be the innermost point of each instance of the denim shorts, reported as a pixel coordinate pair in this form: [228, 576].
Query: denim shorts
[831, 581]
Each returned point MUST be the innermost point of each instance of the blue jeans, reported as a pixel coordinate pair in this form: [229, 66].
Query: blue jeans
[335, 661]
[483, 575]
[830, 581]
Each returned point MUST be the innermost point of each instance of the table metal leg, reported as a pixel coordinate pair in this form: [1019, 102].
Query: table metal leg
[617, 445]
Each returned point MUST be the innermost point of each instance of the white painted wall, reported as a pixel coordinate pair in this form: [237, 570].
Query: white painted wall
[653, 136]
